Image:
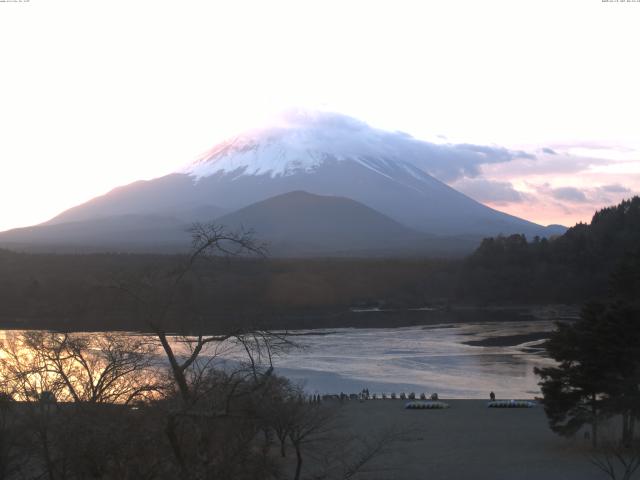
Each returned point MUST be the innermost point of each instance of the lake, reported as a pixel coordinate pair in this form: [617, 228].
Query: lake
[434, 358]
[420, 359]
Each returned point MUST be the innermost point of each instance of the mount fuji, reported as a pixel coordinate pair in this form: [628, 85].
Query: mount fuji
[323, 154]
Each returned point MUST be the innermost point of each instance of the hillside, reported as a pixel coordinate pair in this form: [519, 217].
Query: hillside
[572, 267]
[300, 223]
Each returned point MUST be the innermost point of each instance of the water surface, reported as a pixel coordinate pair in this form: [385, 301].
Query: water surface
[412, 359]
[419, 359]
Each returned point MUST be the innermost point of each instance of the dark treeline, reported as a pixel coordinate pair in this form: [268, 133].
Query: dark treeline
[572, 268]
[82, 291]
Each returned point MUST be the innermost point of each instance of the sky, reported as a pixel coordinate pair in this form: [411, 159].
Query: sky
[99, 94]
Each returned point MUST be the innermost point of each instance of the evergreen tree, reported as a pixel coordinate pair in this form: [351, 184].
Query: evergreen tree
[574, 389]
[598, 372]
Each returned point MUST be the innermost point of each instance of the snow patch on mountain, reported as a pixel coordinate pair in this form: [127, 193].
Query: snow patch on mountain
[302, 141]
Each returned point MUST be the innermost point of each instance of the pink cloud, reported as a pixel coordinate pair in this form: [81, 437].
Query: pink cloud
[558, 186]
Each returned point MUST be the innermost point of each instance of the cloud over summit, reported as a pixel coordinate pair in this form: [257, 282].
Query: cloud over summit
[445, 161]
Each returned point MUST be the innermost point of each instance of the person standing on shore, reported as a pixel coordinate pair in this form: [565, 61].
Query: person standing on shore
[492, 396]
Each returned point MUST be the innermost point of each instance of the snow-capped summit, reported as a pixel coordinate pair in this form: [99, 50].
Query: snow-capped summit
[301, 141]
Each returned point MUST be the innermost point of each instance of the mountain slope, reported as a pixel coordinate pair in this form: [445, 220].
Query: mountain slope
[171, 195]
[298, 223]
[127, 233]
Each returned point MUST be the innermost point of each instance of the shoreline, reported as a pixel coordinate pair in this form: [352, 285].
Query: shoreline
[318, 320]
[508, 340]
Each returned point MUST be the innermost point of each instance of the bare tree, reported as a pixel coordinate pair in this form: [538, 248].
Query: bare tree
[159, 294]
[60, 379]
[320, 440]
[617, 461]
[210, 394]
[311, 423]
[24, 377]
[278, 408]
[351, 456]
[89, 368]
[23, 372]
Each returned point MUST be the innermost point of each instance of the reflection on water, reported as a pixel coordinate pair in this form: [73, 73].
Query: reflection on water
[420, 359]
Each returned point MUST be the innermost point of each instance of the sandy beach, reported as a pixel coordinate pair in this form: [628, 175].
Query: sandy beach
[468, 441]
